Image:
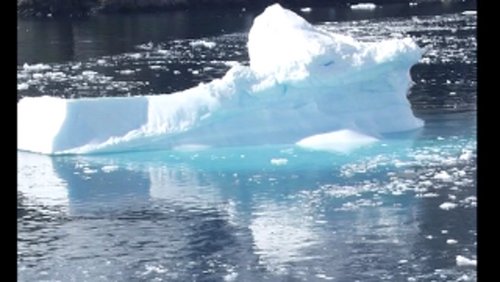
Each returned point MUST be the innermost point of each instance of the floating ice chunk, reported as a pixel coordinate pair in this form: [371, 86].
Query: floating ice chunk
[177, 72]
[109, 168]
[451, 241]
[126, 72]
[163, 51]
[37, 76]
[306, 9]
[87, 170]
[302, 81]
[135, 56]
[324, 276]
[426, 183]
[466, 155]
[342, 141]
[89, 73]
[278, 162]
[443, 176]
[231, 63]
[412, 4]
[463, 261]
[22, 86]
[364, 6]
[469, 13]
[231, 276]
[146, 46]
[154, 269]
[36, 67]
[464, 277]
[202, 43]
[428, 195]
[447, 206]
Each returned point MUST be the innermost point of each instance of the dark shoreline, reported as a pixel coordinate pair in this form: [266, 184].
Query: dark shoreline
[84, 8]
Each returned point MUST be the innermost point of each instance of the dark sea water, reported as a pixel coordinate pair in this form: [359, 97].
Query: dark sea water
[403, 209]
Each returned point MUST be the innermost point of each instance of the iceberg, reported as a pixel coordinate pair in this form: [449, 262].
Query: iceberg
[301, 82]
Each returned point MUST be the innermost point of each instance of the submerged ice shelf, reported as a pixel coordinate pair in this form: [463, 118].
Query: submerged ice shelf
[302, 82]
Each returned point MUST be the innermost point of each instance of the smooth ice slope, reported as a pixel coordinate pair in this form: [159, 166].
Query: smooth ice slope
[301, 82]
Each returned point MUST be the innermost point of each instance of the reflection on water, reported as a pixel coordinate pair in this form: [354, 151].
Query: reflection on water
[179, 216]
[77, 40]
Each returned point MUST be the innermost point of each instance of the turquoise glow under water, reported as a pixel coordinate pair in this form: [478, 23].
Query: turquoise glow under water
[250, 214]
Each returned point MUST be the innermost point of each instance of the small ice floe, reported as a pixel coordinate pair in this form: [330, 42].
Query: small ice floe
[89, 73]
[466, 155]
[155, 269]
[231, 276]
[126, 72]
[109, 168]
[463, 261]
[88, 170]
[451, 241]
[427, 195]
[22, 86]
[412, 4]
[323, 276]
[470, 201]
[76, 66]
[135, 55]
[363, 6]
[464, 277]
[469, 13]
[231, 63]
[37, 75]
[101, 62]
[177, 72]
[443, 176]
[203, 43]
[279, 162]
[306, 9]
[163, 52]
[36, 67]
[447, 206]
[145, 46]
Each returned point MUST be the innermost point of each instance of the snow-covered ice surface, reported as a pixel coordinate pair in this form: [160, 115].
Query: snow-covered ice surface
[399, 207]
[302, 81]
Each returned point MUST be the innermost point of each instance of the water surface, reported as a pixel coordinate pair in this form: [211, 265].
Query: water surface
[401, 209]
